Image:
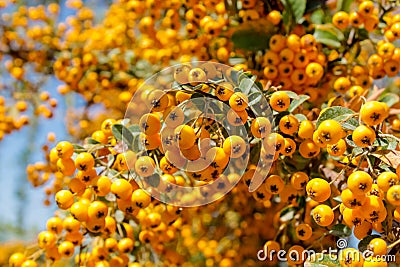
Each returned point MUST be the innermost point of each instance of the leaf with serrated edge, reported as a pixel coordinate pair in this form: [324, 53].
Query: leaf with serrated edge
[297, 102]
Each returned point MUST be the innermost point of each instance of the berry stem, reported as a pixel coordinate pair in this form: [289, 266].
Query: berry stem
[394, 244]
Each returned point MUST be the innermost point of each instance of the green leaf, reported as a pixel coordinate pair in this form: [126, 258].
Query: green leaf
[236, 60]
[78, 147]
[338, 199]
[292, 95]
[123, 134]
[298, 161]
[363, 34]
[297, 102]
[136, 143]
[357, 151]
[214, 107]
[349, 141]
[387, 143]
[296, 8]
[340, 114]
[153, 180]
[343, 5]
[250, 39]
[327, 38]
[389, 98]
[318, 16]
[301, 117]
[287, 214]
[312, 5]
[242, 75]
[254, 98]
[340, 230]
[322, 260]
[246, 84]
[91, 141]
[255, 153]
[110, 160]
[134, 129]
[196, 95]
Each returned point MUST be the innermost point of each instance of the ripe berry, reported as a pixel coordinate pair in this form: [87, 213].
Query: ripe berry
[274, 184]
[323, 215]
[364, 136]
[16, 259]
[351, 200]
[66, 166]
[304, 231]
[385, 180]
[47, 239]
[318, 189]
[306, 129]
[29, 263]
[378, 246]
[393, 195]
[288, 124]
[330, 132]
[260, 127]
[64, 199]
[66, 249]
[289, 148]
[274, 140]
[238, 101]
[196, 76]
[274, 17]
[64, 150]
[224, 91]
[174, 117]
[352, 217]
[141, 198]
[342, 84]
[359, 182]
[145, 166]
[97, 210]
[337, 149]
[54, 224]
[185, 136]
[279, 101]
[299, 180]
[308, 149]
[103, 186]
[79, 210]
[234, 146]
[150, 124]
[125, 245]
[341, 20]
[366, 8]
[374, 210]
[84, 161]
[373, 112]
[351, 257]
[157, 100]
[122, 189]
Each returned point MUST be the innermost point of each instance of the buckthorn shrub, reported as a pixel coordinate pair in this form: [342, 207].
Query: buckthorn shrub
[305, 112]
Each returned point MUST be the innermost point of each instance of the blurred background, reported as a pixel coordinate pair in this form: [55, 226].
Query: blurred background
[23, 208]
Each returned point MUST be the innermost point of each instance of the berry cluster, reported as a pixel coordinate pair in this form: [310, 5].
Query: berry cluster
[292, 145]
